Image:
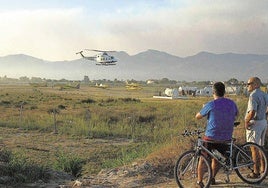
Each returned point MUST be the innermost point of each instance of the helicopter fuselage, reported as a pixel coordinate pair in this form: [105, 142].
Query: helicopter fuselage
[104, 58]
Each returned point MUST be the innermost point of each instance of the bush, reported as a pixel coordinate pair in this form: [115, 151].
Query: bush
[89, 101]
[19, 169]
[69, 163]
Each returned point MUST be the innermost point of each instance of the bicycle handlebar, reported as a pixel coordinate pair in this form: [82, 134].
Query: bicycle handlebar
[198, 131]
[190, 133]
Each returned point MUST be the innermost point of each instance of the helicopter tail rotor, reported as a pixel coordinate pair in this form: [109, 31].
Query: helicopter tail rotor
[80, 53]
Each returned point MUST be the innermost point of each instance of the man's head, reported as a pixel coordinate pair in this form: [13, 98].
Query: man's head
[253, 83]
[219, 89]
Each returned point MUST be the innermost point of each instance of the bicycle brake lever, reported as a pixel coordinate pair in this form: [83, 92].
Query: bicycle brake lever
[236, 123]
[185, 133]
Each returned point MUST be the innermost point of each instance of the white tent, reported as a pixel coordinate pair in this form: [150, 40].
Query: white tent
[171, 92]
[206, 91]
[233, 90]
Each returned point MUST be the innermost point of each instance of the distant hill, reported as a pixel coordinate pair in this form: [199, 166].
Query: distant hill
[150, 64]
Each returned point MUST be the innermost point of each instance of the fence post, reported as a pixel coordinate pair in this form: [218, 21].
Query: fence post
[55, 122]
[21, 110]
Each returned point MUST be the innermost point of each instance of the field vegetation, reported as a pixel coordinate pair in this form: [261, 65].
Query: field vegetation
[81, 131]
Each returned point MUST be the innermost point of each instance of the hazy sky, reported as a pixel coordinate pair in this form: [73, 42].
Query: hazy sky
[56, 29]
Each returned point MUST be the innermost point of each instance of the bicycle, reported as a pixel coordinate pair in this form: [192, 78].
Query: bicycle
[238, 158]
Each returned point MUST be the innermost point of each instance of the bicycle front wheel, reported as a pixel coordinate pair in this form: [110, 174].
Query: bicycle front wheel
[186, 169]
[251, 158]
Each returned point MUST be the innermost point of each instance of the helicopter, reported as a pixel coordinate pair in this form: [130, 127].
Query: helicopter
[102, 58]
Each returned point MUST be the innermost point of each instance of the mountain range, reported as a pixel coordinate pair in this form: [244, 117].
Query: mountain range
[150, 64]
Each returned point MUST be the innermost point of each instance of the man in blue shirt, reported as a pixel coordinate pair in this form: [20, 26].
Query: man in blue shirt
[255, 121]
[221, 114]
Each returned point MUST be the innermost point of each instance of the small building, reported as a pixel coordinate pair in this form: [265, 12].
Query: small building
[185, 90]
[150, 82]
[233, 90]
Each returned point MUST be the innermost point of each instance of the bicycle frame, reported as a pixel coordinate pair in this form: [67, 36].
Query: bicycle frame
[230, 166]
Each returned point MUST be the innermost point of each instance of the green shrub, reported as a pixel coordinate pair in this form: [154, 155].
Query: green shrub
[69, 163]
[19, 169]
[89, 101]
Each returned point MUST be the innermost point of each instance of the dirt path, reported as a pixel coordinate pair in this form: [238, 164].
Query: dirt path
[130, 178]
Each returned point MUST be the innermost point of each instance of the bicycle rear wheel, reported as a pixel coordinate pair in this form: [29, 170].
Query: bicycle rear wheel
[185, 170]
[245, 163]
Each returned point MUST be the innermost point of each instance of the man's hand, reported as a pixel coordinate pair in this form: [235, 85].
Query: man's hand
[198, 116]
[248, 124]
[248, 119]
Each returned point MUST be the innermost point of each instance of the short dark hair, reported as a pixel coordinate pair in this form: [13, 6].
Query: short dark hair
[219, 89]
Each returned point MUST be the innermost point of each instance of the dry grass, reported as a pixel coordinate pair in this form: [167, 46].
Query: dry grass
[120, 125]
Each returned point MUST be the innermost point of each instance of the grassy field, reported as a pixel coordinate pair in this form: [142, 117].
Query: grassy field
[82, 131]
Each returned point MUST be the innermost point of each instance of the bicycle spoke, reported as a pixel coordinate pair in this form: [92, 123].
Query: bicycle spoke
[186, 170]
[251, 169]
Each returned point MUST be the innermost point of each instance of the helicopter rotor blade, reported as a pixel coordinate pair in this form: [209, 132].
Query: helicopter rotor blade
[100, 50]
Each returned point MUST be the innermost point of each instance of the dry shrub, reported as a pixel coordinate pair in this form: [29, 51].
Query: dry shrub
[164, 159]
[240, 134]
